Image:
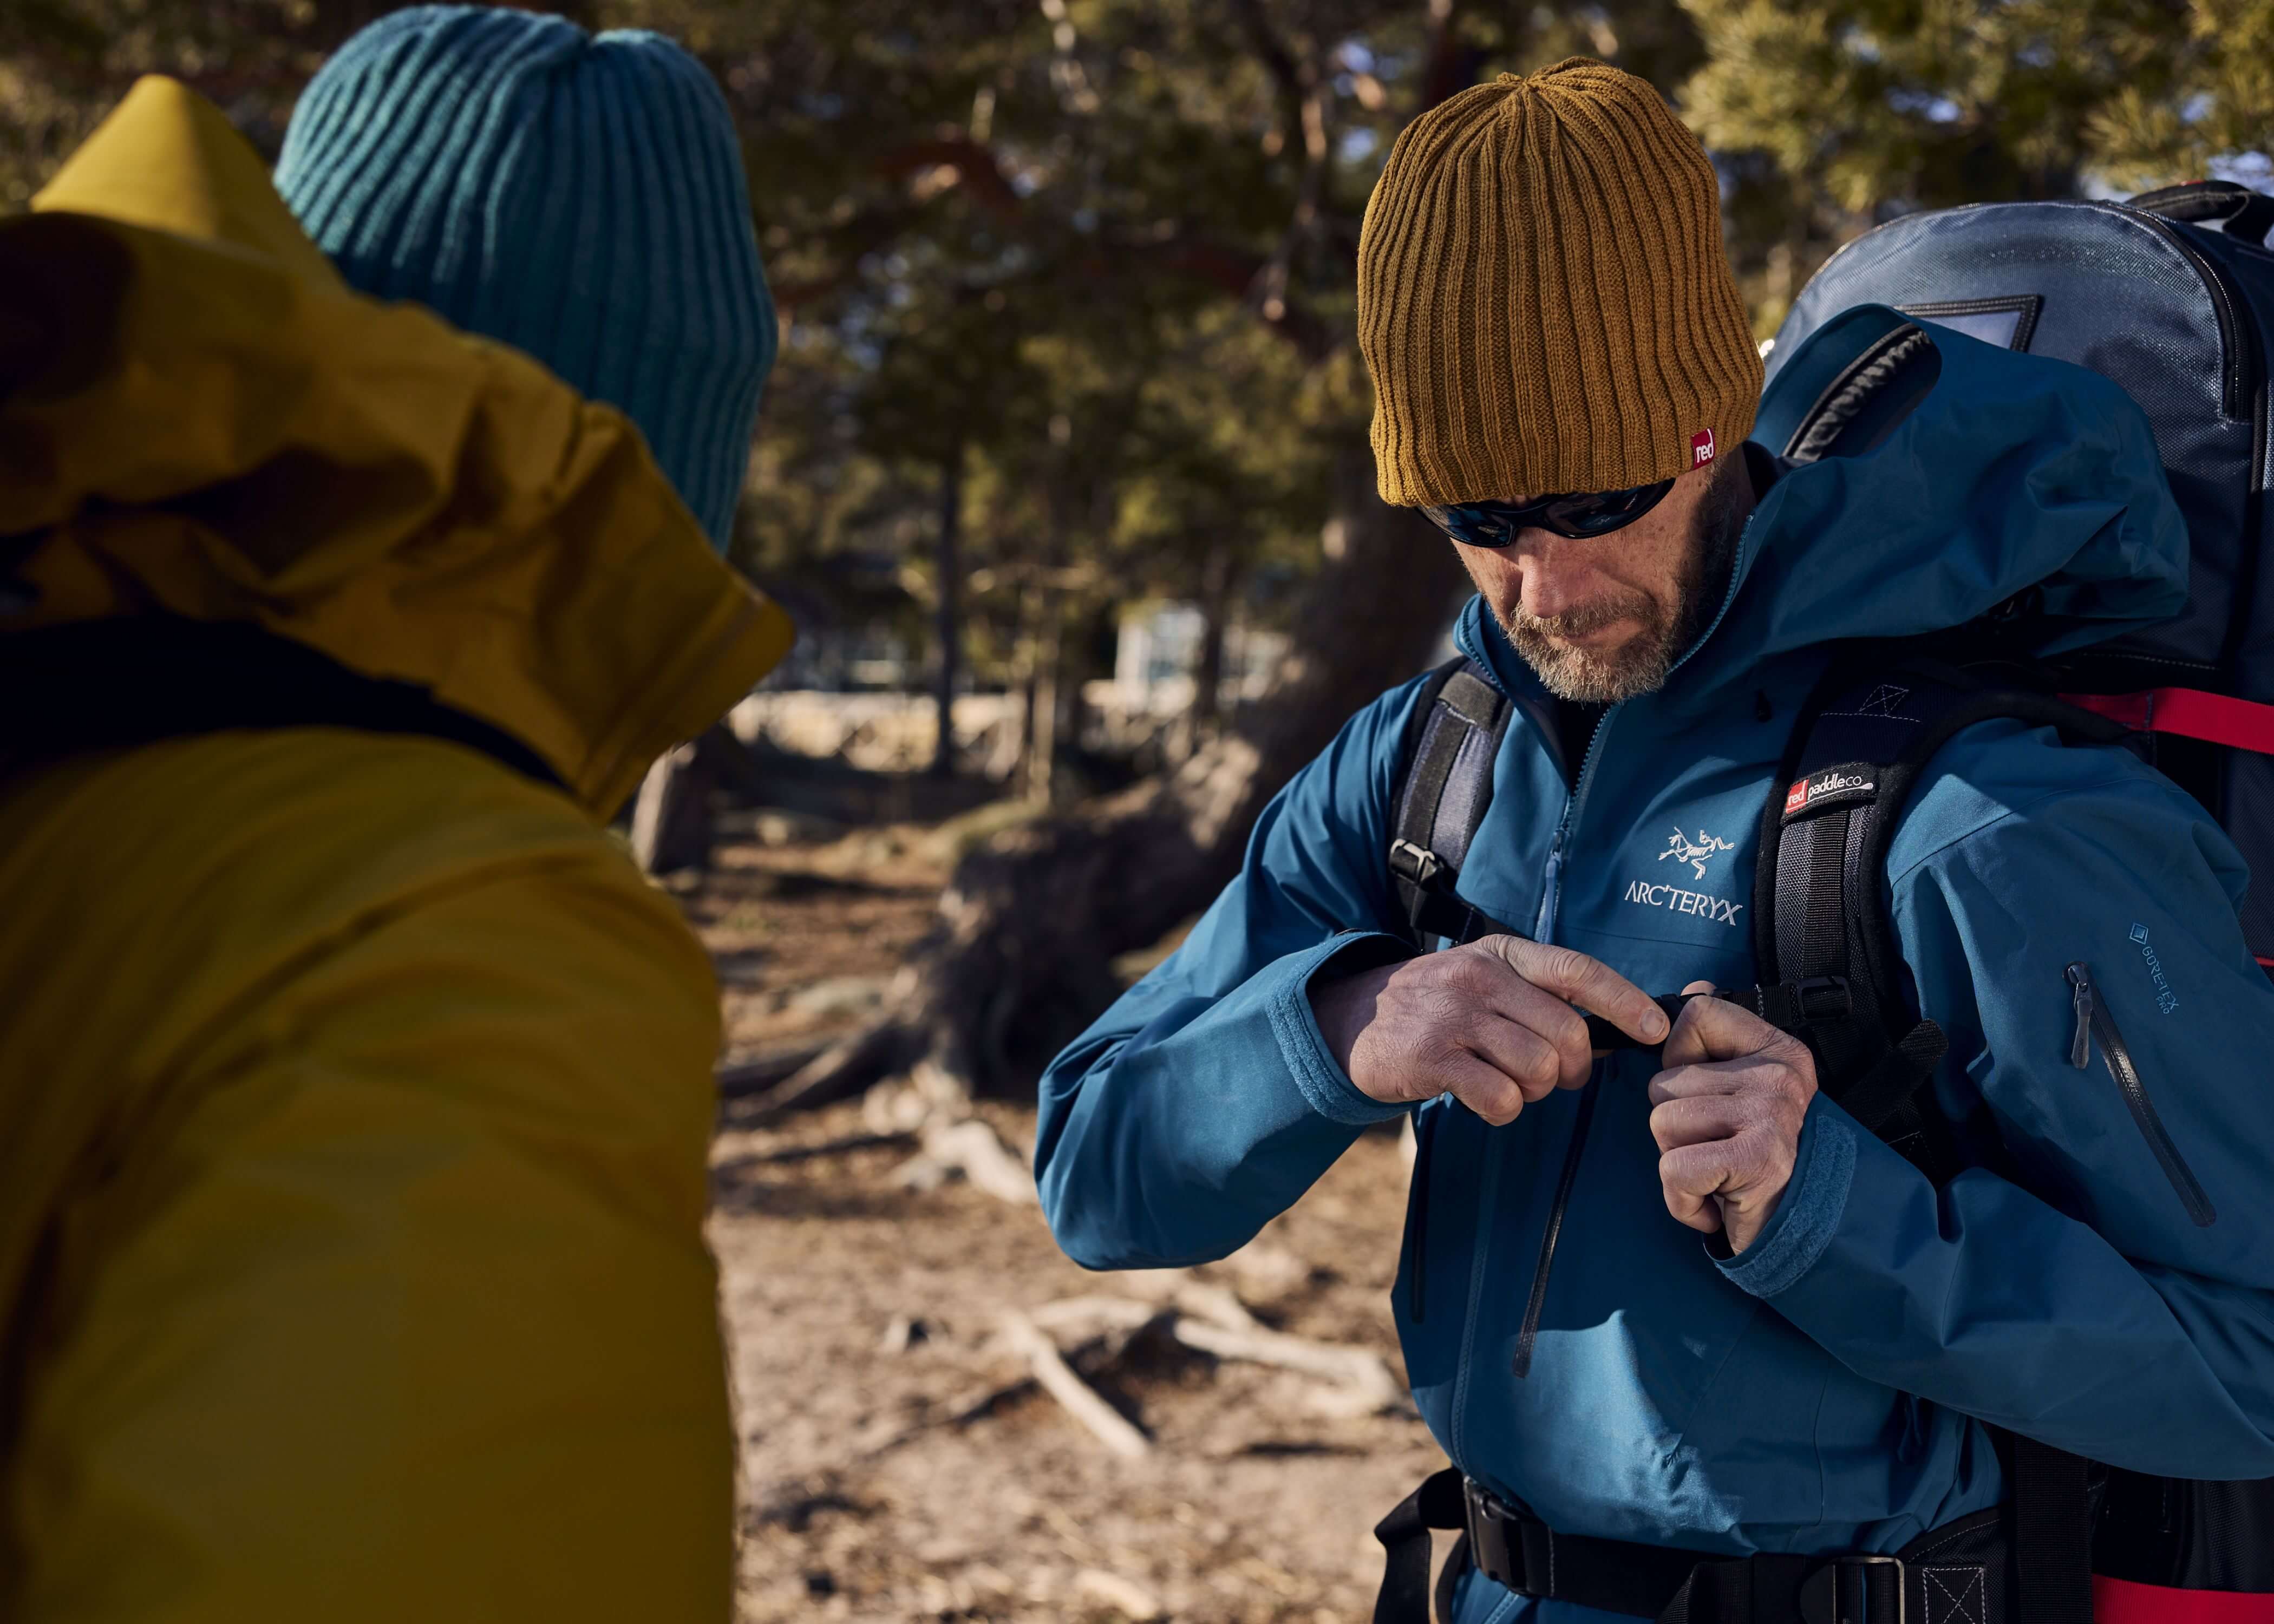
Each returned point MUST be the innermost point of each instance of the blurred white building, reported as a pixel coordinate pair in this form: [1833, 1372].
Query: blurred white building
[1157, 659]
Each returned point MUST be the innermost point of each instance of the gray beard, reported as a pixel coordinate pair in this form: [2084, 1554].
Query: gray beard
[1669, 630]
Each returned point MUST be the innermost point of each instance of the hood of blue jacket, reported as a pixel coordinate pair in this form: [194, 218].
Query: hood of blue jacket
[2016, 470]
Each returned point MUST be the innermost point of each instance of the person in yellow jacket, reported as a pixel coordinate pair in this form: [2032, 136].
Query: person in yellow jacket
[354, 1088]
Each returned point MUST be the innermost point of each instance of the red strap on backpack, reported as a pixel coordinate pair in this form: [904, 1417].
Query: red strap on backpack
[2189, 713]
[2121, 1601]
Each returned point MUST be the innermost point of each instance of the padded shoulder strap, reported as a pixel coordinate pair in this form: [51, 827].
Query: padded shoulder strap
[104, 684]
[1856, 752]
[1452, 738]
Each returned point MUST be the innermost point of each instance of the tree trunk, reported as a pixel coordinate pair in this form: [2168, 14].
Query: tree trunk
[670, 820]
[948, 627]
[1021, 957]
[1042, 708]
[1207, 677]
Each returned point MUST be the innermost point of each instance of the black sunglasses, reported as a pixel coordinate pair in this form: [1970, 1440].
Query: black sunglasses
[1581, 515]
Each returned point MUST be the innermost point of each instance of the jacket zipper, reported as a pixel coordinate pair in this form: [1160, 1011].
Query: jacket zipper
[1543, 929]
[2094, 1021]
[1521, 1365]
[1551, 888]
[1551, 898]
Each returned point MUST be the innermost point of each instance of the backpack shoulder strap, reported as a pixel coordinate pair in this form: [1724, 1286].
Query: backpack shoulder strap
[1856, 752]
[1452, 736]
[98, 685]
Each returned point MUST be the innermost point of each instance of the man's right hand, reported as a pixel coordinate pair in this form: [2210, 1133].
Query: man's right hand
[1490, 1023]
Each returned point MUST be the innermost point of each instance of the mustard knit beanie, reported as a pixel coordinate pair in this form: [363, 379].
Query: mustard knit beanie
[1543, 299]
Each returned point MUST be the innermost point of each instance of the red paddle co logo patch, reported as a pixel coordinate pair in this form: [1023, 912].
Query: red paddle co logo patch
[1832, 784]
[1701, 447]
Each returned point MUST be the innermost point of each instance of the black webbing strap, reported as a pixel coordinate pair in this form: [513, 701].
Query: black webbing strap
[1858, 750]
[1797, 1008]
[1452, 739]
[1404, 1536]
[1951, 1575]
[107, 684]
[2053, 1534]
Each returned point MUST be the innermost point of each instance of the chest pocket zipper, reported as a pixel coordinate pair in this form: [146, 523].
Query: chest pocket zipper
[2095, 1023]
[1520, 1363]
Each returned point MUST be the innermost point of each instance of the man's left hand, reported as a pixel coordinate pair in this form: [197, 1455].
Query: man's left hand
[1727, 1112]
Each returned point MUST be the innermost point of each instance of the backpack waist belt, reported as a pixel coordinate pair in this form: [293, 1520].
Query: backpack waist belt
[1952, 1575]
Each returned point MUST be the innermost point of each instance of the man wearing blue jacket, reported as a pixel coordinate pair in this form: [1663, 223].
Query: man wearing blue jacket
[1545, 307]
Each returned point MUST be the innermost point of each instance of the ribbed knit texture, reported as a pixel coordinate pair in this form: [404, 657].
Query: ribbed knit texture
[578, 197]
[1543, 298]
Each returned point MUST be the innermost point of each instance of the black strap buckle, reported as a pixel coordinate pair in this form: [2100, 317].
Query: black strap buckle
[1495, 1539]
[1417, 863]
[1823, 998]
[1856, 1589]
[1812, 1001]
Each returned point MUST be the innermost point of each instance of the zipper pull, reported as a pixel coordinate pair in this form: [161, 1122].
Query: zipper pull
[2080, 1042]
[1543, 924]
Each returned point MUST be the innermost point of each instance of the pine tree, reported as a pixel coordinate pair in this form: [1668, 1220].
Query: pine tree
[1831, 115]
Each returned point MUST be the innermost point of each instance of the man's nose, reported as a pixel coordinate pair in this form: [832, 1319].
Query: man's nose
[1553, 579]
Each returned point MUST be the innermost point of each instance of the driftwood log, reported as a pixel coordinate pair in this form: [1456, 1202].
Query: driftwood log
[1059, 1379]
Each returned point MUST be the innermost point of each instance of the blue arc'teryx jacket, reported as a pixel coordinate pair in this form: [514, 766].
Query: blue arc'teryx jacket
[1823, 1391]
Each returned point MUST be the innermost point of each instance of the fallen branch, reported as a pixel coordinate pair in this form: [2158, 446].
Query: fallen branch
[1363, 1372]
[1079, 1316]
[837, 1072]
[1201, 1298]
[762, 1072]
[1219, 1304]
[978, 1406]
[844, 1146]
[1360, 1371]
[970, 1147]
[1058, 1379]
[882, 1439]
[1131, 1600]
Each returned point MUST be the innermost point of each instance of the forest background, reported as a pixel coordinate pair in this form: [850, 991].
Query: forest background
[1068, 295]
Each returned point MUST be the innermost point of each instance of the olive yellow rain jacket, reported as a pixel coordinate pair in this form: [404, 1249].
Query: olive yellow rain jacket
[354, 1089]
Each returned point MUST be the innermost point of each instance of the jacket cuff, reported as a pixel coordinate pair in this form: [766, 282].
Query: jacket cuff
[1325, 1085]
[1815, 1200]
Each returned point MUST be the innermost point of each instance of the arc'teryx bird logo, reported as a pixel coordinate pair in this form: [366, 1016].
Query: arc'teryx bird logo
[1696, 852]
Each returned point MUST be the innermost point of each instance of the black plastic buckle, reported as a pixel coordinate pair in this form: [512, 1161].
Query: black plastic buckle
[1822, 999]
[1495, 1540]
[1417, 863]
[1841, 1592]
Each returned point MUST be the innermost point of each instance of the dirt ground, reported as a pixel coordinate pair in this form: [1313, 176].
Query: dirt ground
[896, 1465]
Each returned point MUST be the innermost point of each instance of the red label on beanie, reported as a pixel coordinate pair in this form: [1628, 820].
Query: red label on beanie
[1701, 447]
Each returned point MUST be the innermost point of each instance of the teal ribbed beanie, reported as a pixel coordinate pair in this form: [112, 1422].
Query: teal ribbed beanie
[578, 197]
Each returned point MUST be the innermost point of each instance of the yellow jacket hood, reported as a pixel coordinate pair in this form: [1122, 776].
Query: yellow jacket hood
[197, 418]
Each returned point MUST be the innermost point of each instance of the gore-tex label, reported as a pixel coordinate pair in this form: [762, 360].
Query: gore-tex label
[1832, 786]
